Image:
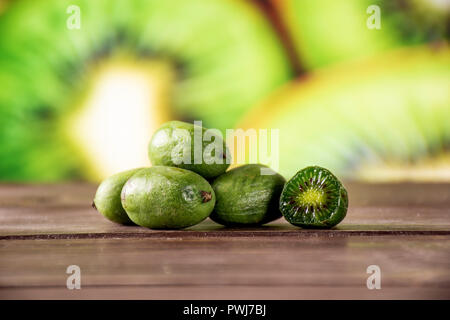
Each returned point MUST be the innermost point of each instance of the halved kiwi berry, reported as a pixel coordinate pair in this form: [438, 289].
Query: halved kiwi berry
[314, 198]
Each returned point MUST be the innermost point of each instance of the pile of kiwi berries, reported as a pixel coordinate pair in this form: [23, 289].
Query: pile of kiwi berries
[176, 195]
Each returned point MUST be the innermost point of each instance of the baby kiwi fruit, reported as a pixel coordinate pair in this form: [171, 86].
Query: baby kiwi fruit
[247, 195]
[107, 198]
[167, 198]
[314, 198]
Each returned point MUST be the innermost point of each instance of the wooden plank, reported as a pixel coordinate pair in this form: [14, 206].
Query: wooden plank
[64, 211]
[219, 293]
[403, 228]
[227, 268]
[360, 194]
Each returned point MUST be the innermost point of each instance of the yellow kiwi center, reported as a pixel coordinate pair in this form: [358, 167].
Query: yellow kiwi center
[114, 119]
[311, 197]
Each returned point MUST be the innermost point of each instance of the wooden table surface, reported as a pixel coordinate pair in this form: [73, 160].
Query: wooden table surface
[402, 228]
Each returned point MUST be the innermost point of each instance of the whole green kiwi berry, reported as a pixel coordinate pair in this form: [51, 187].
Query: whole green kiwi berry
[107, 198]
[180, 144]
[247, 195]
[162, 197]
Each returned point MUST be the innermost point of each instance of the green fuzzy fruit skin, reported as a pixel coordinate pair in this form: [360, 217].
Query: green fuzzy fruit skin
[167, 198]
[107, 198]
[173, 136]
[337, 206]
[246, 197]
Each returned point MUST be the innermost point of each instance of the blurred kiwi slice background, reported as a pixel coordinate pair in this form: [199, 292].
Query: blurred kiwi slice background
[368, 104]
[83, 103]
[379, 119]
[324, 32]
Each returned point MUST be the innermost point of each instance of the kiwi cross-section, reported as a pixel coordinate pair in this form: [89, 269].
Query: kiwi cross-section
[324, 32]
[314, 198]
[391, 111]
[62, 88]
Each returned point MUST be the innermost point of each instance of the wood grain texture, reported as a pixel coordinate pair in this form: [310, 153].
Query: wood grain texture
[403, 228]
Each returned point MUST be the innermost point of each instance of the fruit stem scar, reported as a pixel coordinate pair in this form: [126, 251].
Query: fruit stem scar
[206, 196]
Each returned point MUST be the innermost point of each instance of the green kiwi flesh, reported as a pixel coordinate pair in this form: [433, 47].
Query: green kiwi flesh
[314, 198]
[224, 56]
